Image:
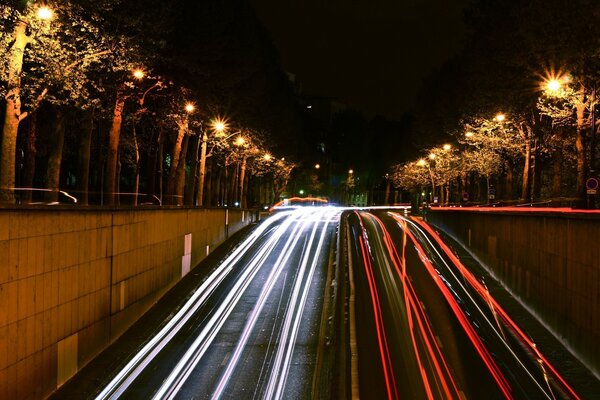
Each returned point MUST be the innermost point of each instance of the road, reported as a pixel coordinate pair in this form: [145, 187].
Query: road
[252, 328]
[324, 302]
[428, 328]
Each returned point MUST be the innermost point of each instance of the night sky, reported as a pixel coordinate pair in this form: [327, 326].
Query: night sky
[370, 54]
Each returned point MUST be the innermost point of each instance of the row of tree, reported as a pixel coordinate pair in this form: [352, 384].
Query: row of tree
[106, 97]
[538, 63]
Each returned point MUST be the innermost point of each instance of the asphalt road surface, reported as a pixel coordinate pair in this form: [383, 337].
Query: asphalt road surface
[324, 302]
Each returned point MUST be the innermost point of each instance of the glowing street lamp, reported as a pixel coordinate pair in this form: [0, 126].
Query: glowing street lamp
[350, 171]
[432, 156]
[138, 74]
[469, 134]
[240, 141]
[219, 126]
[317, 166]
[189, 108]
[267, 157]
[447, 147]
[45, 13]
[500, 117]
[553, 86]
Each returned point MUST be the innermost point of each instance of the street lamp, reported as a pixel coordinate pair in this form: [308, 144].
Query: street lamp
[138, 74]
[240, 141]
[553, 86]
[45, 13]
[317, 166]
[447, 147]
[499, 117]
[350, 171]
[189, 108]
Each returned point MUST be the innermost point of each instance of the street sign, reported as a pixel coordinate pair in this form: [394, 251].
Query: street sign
[591, 185]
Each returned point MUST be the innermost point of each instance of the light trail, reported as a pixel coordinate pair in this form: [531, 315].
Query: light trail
[486, 297]
[194, 353]
[119, 384]
[269, 285]
[497, 309]
[417, 324]
[425, 330]
[294, 312]
[384, 352]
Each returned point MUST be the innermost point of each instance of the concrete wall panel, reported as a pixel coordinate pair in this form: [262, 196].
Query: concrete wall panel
[550, 260]
[72, 281]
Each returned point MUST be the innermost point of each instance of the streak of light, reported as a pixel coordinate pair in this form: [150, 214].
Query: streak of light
[117, 386]
[503, 314]
[484, 354]
[384, 352]
[515, 209]
[271, 280]
[418, 322]
[194, 353]
[425, 329]
[294, 313]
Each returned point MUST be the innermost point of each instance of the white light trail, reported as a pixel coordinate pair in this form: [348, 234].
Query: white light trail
[136, 365]
[294, 313]
[195, 352]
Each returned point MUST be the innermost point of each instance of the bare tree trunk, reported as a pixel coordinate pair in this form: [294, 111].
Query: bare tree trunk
[160, 166]
[136, 181]
[510, 166]
[57, 140]
[30, 154]
[242, 182]
[388, 186]
[525, 189]
[180, 173]
[536, 184]
[13, 114]
[557, 166]
[110, 178]
[233, 186]
[83, 160]
[191, 185]
[202, 170]
[175, 154]
[154, 165]
[208, 194]
[581, 161]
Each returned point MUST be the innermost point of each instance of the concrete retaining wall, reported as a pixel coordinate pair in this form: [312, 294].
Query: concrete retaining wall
[72, 281]
[550, 260]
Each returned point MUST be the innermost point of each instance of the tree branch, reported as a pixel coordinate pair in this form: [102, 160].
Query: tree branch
[89, 56]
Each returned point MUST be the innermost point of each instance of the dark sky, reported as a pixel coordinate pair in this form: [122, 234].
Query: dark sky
[370, 54]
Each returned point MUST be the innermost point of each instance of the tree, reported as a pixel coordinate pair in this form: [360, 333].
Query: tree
[44, 53]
